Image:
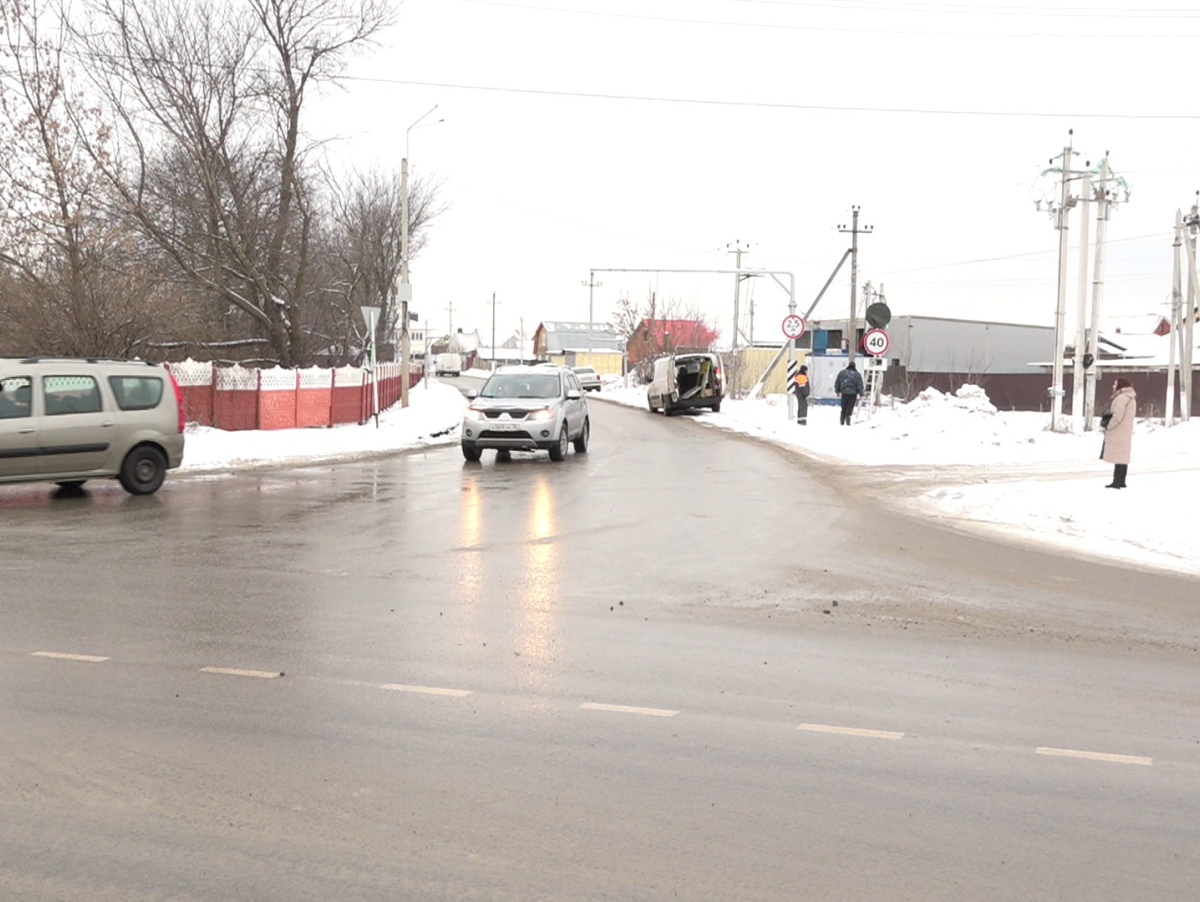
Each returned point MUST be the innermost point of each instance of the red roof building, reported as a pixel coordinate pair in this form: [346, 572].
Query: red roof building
[653, 337]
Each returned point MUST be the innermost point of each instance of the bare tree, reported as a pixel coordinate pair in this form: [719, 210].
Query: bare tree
[630, 315]
[364, 264]
[212, 162]
[76, 285]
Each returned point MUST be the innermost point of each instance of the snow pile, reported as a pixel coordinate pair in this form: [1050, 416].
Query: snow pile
[929, 418]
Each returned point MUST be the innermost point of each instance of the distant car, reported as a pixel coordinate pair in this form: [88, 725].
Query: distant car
[68, 420]
[588, 377]
[527, 408]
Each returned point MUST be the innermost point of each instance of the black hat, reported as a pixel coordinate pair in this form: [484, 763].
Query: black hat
[850, 365]
[804, 369]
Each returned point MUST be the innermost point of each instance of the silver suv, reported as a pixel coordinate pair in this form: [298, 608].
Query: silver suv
[524, 408]
[68, 420]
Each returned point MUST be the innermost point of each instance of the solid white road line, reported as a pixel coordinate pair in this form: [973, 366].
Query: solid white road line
[63, 656]
[629, 709]
[233, 671]
[849, 731]
[427, 690]
[1097, 756]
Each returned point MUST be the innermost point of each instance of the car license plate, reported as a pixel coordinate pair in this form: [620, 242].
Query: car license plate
[504, 427]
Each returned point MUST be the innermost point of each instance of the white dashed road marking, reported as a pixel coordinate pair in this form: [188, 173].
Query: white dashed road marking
[233, 671]
[849, 731]
[1143, 761]
[1097, 756]
[428, 690]
[628, 709]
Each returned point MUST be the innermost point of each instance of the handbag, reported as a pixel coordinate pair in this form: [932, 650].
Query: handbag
[1105, 418]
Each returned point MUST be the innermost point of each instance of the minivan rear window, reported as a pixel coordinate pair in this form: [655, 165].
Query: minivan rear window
[70, 394]
[136, 392]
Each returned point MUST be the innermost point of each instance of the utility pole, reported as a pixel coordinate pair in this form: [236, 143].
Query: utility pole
[404, 295]
[852, 326]
[450, 310]
[1081, 309]
[493, 330]
[1176, 299]
[1103, 207]
[1060, 210]
[592, 285]
[1187, 336]
[737, 250]
[1106, 198]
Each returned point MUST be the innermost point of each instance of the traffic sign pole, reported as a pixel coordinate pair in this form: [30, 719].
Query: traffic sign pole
[793, 328]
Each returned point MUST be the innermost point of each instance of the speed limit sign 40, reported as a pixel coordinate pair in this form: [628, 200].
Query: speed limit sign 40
[876, 342]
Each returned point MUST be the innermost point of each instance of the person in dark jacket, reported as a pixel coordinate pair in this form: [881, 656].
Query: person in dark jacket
[1118, 434]
[800, 388]
[849, 385]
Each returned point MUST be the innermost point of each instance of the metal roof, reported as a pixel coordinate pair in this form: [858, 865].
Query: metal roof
[561, 336]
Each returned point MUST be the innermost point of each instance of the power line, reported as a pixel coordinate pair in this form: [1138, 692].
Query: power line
[608, 14]
[772, 105]
[900, 272]
[986, 9]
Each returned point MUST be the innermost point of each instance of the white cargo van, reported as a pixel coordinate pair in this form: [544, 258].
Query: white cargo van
[681, 381]
[447, 364]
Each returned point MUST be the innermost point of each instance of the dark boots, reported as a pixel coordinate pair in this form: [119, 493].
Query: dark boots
[1119, 471]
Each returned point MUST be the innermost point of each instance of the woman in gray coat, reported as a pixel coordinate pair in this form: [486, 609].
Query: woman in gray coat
[1118, 434]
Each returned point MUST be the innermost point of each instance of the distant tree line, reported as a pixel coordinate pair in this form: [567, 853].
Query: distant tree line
[161, 197]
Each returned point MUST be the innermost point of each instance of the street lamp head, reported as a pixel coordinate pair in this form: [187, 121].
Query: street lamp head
[417, 124]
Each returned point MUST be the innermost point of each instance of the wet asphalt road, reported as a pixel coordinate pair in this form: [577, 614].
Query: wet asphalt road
[684, 665]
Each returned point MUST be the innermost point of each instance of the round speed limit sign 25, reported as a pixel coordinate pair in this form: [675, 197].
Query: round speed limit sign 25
[876, 342]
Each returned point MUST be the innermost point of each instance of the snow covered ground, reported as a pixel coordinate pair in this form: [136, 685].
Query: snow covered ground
[948, 456]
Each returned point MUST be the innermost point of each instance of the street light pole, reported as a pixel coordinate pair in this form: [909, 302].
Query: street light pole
[404, 296]
[591, 284]
[493, 330]
[371, 318]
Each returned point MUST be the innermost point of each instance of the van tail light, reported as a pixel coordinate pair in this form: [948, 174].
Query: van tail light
[178, 402]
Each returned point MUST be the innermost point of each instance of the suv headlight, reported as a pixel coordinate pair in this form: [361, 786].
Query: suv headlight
[472, 414]
[541, 416]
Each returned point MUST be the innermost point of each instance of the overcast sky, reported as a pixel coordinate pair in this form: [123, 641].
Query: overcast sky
[583, 134]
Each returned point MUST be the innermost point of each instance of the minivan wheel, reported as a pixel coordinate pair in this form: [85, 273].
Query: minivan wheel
[559, 451]
[470, 452]
[581, 443]
[143, 470]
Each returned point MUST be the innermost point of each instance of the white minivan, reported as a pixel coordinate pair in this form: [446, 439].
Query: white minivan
[447, 364]
[682, 381]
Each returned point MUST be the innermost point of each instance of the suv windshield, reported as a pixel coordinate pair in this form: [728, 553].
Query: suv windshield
[531, 385]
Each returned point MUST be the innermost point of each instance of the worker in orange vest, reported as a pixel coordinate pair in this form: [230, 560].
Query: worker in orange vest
[800, 389]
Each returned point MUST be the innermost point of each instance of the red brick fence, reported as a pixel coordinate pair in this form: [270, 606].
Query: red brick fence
[236, 398]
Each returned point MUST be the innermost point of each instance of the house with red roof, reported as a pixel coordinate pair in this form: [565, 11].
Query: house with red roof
[654, 337]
